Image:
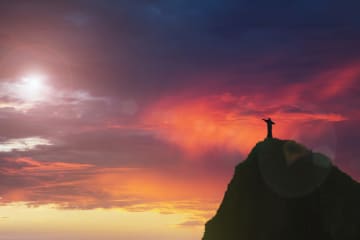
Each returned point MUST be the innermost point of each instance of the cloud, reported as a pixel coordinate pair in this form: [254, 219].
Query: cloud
[191, 223]
[152, 103]
[33, 90]
[23, 144]
[78, 19]
[230, 121]
[84, 186]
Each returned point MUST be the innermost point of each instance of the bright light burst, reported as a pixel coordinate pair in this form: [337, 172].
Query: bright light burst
[32, 88]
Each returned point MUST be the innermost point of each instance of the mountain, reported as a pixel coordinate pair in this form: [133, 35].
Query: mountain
[284, 191]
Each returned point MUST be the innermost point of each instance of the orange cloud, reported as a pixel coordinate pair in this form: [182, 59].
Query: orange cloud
[84, 186]
[198, 125]
[341, 81]
[227, 121]
[29, 165]
[327, 85]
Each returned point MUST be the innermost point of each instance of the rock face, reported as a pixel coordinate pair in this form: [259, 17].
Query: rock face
[283, 191]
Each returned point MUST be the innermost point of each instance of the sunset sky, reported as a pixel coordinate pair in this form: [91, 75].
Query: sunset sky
[125, 119]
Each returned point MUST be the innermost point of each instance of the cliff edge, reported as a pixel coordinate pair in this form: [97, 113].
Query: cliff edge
[285, 191]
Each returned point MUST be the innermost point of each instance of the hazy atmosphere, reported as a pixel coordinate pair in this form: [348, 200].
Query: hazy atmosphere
[125, 119]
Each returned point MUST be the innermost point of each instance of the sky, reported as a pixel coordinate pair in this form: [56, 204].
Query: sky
[125, 119]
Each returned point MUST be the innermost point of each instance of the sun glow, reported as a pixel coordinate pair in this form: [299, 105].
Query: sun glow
[32, 88]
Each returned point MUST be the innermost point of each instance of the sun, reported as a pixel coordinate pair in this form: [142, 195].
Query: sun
[32, 87]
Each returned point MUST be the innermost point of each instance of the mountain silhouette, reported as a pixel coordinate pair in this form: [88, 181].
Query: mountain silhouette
[284, 191]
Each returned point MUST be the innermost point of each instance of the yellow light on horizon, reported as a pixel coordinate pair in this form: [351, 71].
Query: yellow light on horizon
[20, 221]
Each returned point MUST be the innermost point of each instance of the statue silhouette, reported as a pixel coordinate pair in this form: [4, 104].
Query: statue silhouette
[269, 123]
